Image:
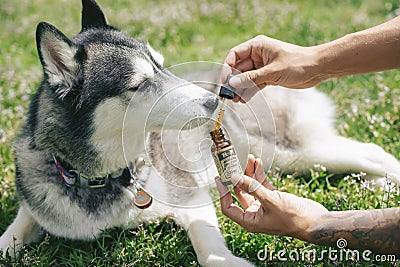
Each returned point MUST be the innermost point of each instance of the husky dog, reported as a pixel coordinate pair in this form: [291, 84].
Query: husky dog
[102, 103]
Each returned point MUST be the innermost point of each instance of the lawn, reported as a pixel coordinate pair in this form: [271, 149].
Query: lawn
[368, 109]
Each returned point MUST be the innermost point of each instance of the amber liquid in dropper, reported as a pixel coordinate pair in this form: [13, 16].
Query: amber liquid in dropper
[219, 119]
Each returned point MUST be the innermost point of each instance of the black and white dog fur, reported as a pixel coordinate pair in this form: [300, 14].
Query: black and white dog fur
[102, 102]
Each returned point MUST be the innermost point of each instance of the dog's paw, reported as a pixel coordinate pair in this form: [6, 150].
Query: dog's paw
[9, 246]
[226, 260]
[5, 249]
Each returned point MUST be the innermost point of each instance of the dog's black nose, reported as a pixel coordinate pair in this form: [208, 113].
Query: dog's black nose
[211, 102]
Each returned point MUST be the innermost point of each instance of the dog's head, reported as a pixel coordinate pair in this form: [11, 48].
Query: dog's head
[105, 72]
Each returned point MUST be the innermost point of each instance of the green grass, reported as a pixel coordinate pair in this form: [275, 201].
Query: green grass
[367, 110]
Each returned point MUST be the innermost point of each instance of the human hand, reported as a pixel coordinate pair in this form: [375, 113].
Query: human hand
[266, 210]
[265, 61]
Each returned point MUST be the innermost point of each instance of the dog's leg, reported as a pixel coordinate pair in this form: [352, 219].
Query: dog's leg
[343, 155]
[202, 226]
[22, 231]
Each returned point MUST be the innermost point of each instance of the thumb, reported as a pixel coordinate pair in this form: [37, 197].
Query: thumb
[254, 188]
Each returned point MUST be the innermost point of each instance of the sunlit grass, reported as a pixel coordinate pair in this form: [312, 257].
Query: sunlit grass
[367, 110]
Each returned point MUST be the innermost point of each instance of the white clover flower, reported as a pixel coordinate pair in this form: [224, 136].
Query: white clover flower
[3, 136]
[354, 108]
[364, 184]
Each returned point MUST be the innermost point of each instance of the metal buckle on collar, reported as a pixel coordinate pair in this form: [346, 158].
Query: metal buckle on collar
[97, 182]
[94, 182]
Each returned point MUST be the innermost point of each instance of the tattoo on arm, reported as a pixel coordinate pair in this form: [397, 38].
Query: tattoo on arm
[375, 230]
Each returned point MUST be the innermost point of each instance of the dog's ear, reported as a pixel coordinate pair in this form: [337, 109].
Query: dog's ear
[59, 58]
[92, 16]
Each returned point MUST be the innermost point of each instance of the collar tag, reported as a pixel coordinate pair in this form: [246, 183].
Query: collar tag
[143, 199]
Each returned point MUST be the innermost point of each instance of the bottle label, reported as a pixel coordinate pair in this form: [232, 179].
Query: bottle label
[227, 164]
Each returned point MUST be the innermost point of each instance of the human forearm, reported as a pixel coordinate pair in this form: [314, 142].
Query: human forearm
[370, 50]
[376, 230]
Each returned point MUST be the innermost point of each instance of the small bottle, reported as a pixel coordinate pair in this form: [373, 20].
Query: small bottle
[225, 157]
